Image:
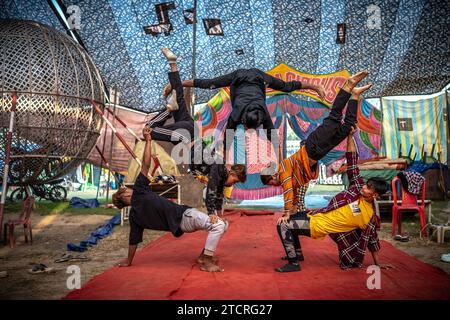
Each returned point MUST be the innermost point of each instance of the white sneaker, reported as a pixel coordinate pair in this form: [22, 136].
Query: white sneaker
[170, 56]
[171, 101]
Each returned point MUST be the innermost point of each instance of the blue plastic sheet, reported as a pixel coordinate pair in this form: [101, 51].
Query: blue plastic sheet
[420, 167]
[76, 202]
[100, 233]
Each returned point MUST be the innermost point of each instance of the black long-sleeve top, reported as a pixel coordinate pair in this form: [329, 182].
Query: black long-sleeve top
[248, 89]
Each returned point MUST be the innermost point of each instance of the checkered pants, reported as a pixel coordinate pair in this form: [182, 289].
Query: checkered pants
[289, 234]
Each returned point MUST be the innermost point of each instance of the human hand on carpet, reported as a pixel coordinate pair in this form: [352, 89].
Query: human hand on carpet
[385, 266]
[123, 263]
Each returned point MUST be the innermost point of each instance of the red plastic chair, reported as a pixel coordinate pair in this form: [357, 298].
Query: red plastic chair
[24, 219]
[409, 203]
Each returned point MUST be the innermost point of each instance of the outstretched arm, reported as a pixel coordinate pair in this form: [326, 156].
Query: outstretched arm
[147, 151]
[377, 262]
[351, 147]
[135, 238]
[219, 82]
[129, 260]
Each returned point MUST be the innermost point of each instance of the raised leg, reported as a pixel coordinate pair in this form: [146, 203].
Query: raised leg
[332, 132]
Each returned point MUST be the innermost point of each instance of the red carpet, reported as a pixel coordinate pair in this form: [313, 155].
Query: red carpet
[249, 252]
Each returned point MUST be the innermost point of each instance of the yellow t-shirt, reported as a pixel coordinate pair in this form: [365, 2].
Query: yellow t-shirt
[346, 218]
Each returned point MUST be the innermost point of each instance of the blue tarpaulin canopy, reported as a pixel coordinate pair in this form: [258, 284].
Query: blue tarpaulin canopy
[403, 43]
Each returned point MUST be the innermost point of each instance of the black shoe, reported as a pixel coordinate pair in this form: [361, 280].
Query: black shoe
[289, 267]
[300, 258]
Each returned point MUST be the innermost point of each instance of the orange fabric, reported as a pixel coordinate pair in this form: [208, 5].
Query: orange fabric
[294, 172]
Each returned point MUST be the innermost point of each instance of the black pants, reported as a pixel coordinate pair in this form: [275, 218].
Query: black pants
[297, 225]
[332, 131]
[182, 118]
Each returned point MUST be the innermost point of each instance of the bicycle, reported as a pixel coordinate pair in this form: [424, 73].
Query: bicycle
[51, 191]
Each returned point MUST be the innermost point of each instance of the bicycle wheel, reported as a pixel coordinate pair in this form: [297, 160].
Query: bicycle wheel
[18, 195]
[57, 193]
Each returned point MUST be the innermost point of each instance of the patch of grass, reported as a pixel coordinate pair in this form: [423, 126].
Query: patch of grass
[46, 207]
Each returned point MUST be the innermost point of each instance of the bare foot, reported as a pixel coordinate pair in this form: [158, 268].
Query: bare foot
[359, 90]
[207, 264]
[170, 56]
[123, 263]
[210, 267]
[202, 259]
[355, 79]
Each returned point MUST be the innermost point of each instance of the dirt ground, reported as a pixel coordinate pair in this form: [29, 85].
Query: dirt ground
[51, 235]
[428, 251]
[53, 232]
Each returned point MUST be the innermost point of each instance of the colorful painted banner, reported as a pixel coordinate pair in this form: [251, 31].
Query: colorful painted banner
[419, 124]
[305, 116]
[286, 109]
[331, 82]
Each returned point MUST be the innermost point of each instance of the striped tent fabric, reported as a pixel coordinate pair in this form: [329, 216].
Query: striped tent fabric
[420, 124]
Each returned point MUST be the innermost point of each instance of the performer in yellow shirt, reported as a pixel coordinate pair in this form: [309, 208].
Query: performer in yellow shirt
[300, 168]
[348, 211]
[347, 218]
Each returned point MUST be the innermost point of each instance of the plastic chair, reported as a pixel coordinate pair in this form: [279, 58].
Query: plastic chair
[409, 203]
[24, 219]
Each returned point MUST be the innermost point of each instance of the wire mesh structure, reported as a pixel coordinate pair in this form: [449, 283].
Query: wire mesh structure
[55, 124]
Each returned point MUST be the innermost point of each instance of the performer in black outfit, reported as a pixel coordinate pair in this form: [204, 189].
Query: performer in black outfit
[248, 96]
[182, 130]
[151, 211]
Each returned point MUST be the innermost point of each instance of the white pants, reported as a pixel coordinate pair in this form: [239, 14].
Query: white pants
[194, 220]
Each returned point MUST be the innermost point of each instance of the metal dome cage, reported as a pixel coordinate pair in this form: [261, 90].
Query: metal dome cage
[55, 125]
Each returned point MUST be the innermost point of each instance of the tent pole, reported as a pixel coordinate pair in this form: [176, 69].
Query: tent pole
[122, 123]
[106, 164]
[194, 52]
[111, 145]
[118, 135]
[101, 159]
[383, 150]
[7, 159]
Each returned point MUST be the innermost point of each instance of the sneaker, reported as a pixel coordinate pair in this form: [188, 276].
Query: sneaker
[171, 101]
[289, 267]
